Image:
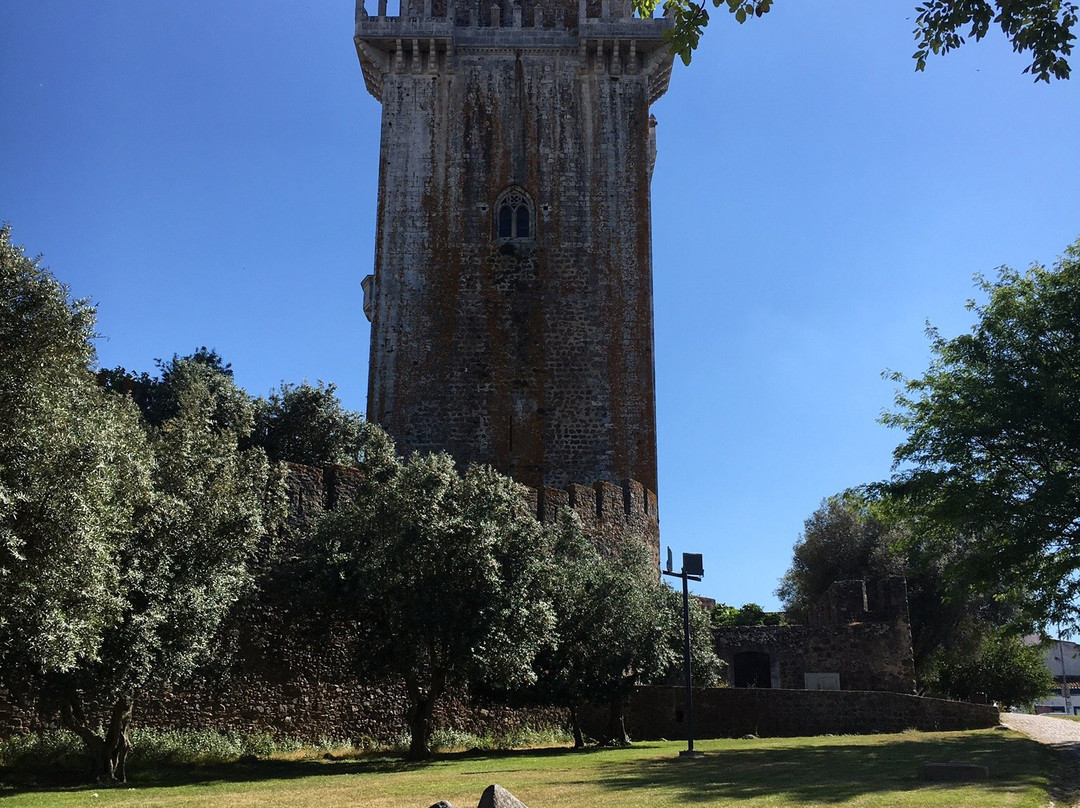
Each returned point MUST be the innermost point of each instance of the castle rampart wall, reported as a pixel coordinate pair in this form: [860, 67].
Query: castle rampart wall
[858, 638]
[609, 513]
[292, 677]
[729, 712]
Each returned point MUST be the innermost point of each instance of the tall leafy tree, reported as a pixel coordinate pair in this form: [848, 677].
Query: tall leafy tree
[74, 475]
[617, 626]
[1043, 29]
[855, 535]
[305, 424]
[991, 461]
[1000, 667]
[444, 575]
[123, 539]
[847, 538]
[186, 561]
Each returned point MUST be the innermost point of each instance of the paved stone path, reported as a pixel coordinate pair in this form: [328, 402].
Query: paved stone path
[1057, 732]
[1063, 735]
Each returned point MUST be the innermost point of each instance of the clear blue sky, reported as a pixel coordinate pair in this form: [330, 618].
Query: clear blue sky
[206, 172]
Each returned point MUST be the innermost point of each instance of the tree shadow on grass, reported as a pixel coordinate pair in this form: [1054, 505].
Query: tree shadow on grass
[19, 781]
[830, 773]
[164, 775]
[807, 773]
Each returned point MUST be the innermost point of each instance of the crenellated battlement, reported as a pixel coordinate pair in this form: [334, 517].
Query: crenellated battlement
[610, 513]
[588, 17]
[426, 36]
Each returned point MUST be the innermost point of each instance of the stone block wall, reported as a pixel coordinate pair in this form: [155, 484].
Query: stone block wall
[610, 513]
[867, 656]
[660, 712]
[860, 633]
[288, 678]
[295, 678]
[882, 600]
[263, 696]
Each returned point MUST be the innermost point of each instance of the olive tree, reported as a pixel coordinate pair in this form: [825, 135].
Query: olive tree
[124, 539]
[74, 475]
[444, 575]
[305, 424]
[617, 626]
[186, 561]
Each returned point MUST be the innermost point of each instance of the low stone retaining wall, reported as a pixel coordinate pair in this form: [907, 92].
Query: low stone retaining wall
[660, 712]
[314, 711]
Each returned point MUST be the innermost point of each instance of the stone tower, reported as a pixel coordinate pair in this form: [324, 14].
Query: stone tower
[511, 304]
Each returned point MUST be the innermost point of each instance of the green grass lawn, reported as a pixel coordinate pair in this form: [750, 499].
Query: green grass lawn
[838, 772]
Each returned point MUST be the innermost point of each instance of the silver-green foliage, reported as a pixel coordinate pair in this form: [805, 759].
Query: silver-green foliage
[445, 574]
[305, 424]
[74, 474]
[188, 560]
[617, 625]
[124, 540]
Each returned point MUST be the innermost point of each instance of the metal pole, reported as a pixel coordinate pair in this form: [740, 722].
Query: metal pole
[689, 680]
[692, 569]
[1064, 678]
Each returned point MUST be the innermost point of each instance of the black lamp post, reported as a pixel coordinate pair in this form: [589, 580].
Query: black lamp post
[692, 570]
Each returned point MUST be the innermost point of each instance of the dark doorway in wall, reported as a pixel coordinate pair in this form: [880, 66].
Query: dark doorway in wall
[752, 669]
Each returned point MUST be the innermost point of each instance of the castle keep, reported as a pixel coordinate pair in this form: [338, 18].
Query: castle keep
[511, 303]
[511, 311]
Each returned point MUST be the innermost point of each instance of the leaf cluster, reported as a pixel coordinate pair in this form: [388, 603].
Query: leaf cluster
[1002, 667]
[305, 424]
[847, 538]
[450, 580]
[73, 474]
[442, 572]
[749, 614]
[617, 625]
[991, 461]
[1043, 28]
[210, 504]
[866, 535]
[129, 505]
[689, 19]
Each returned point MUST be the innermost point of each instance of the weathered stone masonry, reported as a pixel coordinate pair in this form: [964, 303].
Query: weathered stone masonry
[859, 637]
[296, 679]
[730, 712]
[528, 348]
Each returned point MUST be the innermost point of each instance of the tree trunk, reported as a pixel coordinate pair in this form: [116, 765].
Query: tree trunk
[575, 726]
[117, 742]
[421, 709]
[420, 728]
[108, 754]
[616, 727]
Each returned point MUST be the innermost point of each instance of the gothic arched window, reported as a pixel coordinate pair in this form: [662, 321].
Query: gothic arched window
[514, 214]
